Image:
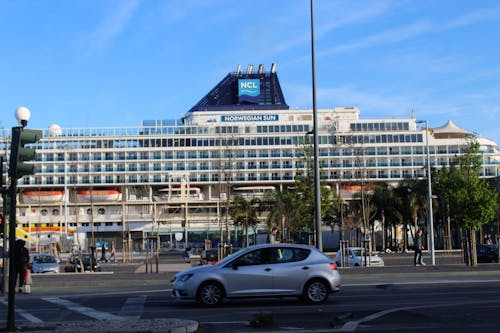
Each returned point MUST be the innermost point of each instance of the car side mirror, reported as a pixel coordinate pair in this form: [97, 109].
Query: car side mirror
[234, 266]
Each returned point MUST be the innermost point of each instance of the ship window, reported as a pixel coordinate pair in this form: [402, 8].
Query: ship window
[55, 212]
[101, 211]
[44, 212]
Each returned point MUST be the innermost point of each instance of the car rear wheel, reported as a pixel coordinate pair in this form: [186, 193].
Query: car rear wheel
[316, 292]
[210, 293]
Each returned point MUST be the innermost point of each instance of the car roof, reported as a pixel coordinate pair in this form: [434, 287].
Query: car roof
[273, 245]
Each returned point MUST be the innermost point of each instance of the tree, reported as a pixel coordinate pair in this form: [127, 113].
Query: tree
[303, 198]
[472, 202]
[282, 211]
[243, 214]
[412, 194]
[386, 205]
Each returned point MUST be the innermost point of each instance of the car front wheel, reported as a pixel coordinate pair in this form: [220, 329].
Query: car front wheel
[210, 293]
[316, 292]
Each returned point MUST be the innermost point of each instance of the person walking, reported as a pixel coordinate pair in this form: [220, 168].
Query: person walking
[103, 253]
[273, 236]
[27, 279]
[418, 246]
[20, 261]
[112, 252]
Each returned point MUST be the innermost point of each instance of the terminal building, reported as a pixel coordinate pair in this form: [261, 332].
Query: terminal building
[172, 177]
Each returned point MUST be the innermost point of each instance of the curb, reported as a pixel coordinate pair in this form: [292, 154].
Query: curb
[165, 325]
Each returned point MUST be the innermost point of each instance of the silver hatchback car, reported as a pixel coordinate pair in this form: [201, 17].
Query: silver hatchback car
[262, 271]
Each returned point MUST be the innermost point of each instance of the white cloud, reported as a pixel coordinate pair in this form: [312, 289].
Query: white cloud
[113, 25]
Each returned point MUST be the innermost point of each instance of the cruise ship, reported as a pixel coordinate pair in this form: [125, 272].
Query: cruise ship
[171, 178]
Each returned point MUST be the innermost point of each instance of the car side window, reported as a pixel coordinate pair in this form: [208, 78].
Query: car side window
[283, 255]
[257, 257]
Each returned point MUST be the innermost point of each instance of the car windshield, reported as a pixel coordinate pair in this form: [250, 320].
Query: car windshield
[44, 259]
[229, 258]
[356, 252]
[85, 258]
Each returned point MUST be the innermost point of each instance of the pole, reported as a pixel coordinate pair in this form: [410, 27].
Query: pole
[11, 325]
[4, 222]
[317, 205]
[429, 198]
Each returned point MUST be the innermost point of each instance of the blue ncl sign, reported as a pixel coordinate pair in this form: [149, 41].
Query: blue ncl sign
[249, 90]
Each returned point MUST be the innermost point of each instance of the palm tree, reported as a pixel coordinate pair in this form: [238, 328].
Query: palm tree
[283, 212]
[243, 214]
[387, 204]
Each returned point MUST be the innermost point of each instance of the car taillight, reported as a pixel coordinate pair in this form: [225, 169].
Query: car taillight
[333, 266]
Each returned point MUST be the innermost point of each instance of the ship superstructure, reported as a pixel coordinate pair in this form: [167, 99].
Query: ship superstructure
[172, 177]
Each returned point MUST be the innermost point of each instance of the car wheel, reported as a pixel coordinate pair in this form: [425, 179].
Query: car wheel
[210, 293]
[316, 292]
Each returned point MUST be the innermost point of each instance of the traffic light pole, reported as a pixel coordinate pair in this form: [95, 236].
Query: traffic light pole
[2, 227]
[19, 154]
[11, 325]
[11, 320]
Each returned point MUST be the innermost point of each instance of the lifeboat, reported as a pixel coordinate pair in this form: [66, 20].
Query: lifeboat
[43, 229]
[98, 195]
[42, 196]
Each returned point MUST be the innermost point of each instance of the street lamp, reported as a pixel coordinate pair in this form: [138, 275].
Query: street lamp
[429, 195]
[317, 203]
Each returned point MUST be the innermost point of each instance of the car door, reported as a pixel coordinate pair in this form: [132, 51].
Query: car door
[290, 270]
[249, 275]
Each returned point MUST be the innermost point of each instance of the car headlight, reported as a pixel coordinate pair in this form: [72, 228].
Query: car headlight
[185, 277]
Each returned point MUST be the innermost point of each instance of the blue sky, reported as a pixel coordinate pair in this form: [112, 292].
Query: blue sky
[101, 63]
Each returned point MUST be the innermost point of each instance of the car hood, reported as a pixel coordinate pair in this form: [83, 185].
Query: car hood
[197, 269]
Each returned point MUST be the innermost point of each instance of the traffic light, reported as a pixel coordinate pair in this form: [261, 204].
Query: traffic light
[19, 154]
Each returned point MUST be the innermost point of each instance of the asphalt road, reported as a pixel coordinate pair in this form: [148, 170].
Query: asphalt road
[399, 297]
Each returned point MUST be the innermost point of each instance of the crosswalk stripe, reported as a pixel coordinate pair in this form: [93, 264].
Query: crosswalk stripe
[23, 313]
[87, 311]
[133, 307]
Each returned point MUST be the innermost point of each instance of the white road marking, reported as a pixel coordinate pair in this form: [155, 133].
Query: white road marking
[133, 307]
[89, 312]
[23, 313]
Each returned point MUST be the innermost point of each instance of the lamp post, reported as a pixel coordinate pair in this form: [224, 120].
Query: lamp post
[317, 202]
[429, 195]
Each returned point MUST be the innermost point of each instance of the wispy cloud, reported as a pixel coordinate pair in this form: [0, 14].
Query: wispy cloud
[113, 25]
[416, 29]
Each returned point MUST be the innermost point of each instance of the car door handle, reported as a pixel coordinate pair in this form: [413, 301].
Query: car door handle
[268, 269]
[305, 267]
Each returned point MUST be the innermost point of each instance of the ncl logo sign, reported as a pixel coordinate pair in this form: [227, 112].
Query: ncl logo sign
[249, 90]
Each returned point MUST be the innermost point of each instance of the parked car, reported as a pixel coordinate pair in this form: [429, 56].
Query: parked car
[43, 263]
[73, 264]
[487, 253]
[356, 257]
[209, 257]
[262, 271]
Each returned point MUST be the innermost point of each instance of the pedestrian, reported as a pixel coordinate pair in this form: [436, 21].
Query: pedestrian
[418, 246]
[112, 251]
[103, 253]
[27, 279]
[21, 260]
[273, 236]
